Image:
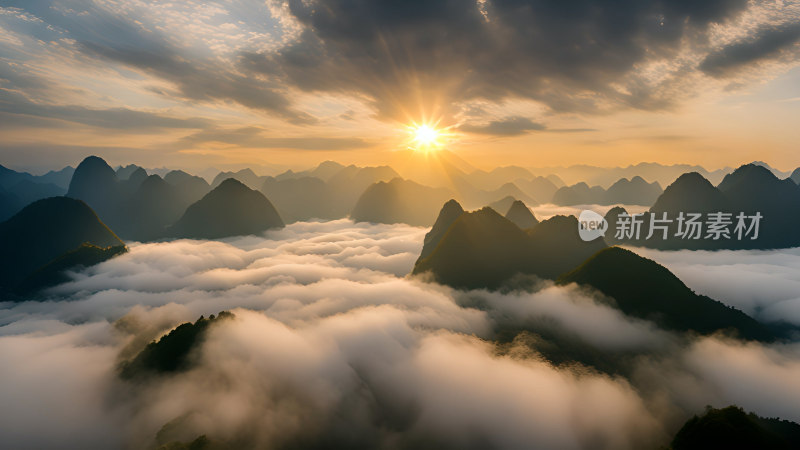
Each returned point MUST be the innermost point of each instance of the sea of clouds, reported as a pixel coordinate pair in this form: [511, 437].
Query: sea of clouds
[332, 342]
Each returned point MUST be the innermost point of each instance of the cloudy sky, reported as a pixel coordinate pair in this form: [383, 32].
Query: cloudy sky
[270, 83]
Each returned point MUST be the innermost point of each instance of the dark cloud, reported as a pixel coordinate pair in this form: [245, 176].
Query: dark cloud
[202, 80]
[255, 137]
[415, 59]
[766, 43]
[565, 54]
[25, 112]
[510, 126]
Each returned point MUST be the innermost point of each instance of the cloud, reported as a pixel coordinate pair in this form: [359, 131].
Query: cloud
[135, 36]
[422, 57]
[417, 60]
[255, 137]
[762, 283]
[114, 118]
[200, 79]
[332, 343]
[510, 126]
[766, 43]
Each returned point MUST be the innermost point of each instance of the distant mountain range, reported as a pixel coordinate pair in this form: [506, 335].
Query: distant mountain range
[327, 192]
[606, 176]
[635, 191]
[18, 189]
[750, 189]
[140, 207]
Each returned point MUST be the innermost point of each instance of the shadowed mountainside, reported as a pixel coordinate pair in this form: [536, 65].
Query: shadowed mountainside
[449, 213]
[521, 216]
[483, 249]
[643, 288]
[44, 231]
[230, 209]
[732, 428]
[172, 352]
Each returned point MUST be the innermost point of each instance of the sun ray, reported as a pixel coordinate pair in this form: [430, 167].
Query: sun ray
[427, 137]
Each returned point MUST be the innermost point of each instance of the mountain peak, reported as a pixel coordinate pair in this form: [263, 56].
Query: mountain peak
[45, 230]
[691, 192]
[449, 213]
[230, 209]
[747, 175]
[521, 215]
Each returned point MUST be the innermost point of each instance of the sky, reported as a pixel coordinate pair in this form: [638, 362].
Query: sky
[271, 84]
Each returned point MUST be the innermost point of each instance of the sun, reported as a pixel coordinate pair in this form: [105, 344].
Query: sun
[424, 137]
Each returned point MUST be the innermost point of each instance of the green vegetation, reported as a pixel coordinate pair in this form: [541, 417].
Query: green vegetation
[731, 428]
[172, 352]
[53, 273]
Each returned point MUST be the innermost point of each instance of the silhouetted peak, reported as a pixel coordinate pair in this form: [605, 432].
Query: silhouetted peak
[95, 166]
[748, 175]
[94, 162]
[581, 185]
[521, 215]
[153, 182]
[247, 172]
[450, 208]
[177, 177]
[613, 213]
[231, 185]
[691, 192]
[125, 172]
[138, 175]
[230, 209]
[559, 223]
[449, 213]
[91, 179]
[690, 179]
[329, 165]
[637, 179]
[46, 229]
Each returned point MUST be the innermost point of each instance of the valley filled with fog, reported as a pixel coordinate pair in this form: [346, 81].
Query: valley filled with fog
[332, 343]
